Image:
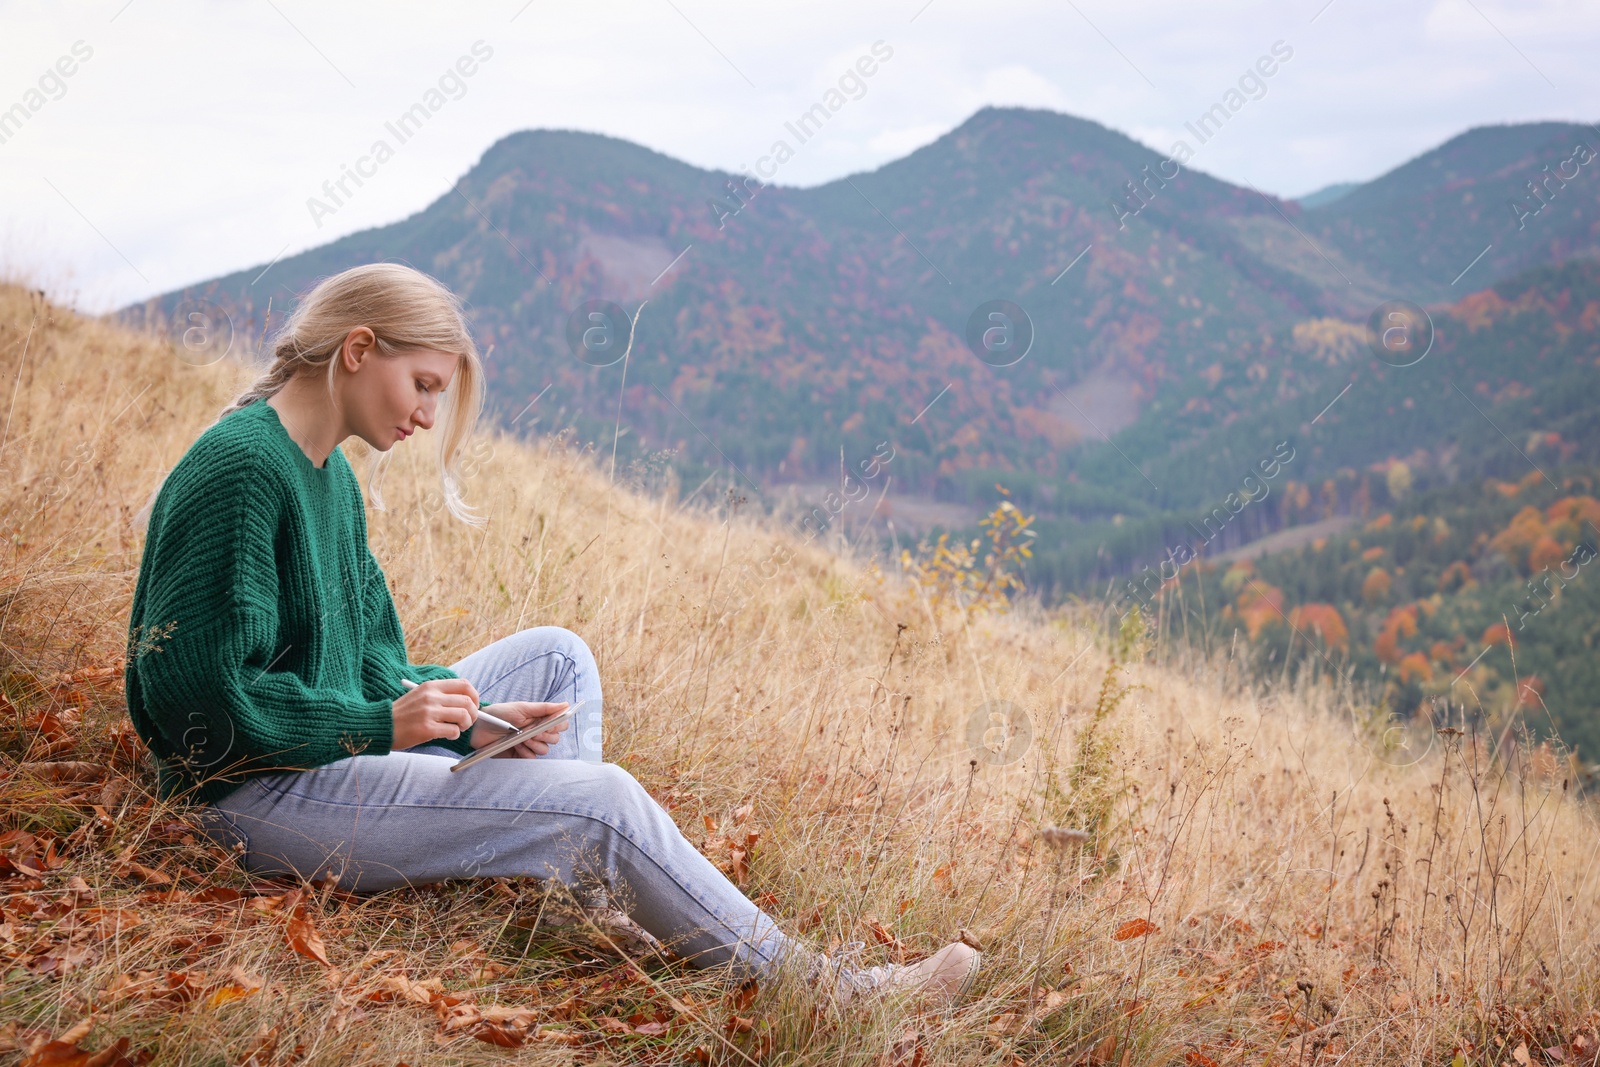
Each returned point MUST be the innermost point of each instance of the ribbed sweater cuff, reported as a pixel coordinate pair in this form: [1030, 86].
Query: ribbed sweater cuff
[367, 728]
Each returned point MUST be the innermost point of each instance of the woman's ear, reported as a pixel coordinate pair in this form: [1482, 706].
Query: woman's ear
[358, 343]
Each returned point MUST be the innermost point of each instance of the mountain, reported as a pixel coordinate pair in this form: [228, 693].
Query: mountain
[1327, 194]
[1517, 196]
[783, 333]
[846, 303]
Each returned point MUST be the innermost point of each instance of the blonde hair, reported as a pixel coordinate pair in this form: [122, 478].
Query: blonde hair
[406, 310]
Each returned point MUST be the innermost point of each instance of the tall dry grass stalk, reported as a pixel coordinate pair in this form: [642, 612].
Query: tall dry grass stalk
[1258, 885]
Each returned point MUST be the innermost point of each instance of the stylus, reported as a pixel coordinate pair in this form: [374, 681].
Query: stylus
[492, 720]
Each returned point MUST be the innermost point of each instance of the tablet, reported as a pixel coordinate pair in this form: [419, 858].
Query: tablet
[515, 739]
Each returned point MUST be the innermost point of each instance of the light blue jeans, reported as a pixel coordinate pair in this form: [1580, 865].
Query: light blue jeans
[376, 822]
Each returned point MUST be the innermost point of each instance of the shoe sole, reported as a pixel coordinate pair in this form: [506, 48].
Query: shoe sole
[971, 976]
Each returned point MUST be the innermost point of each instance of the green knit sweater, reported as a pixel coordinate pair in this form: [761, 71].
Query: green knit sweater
[263, 637]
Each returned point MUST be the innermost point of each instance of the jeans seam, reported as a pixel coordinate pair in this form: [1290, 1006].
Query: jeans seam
[229, 822]
[587, 813]
[691, 894]
[260, 782]
[623, 833]
[567, 676]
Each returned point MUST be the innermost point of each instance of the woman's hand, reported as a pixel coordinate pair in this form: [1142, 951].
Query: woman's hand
[521, 713]
[442, 708]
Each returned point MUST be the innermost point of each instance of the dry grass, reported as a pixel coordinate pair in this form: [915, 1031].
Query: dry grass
[1262, 885]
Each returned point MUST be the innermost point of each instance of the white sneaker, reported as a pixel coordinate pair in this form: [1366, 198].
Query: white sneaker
[944, 975]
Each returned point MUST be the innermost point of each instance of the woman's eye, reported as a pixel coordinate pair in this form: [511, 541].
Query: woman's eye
[423, 387]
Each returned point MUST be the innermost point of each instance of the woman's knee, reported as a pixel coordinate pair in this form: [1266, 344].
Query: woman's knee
[617, 781]
[556, 638]
[622, 789]
[567, 643]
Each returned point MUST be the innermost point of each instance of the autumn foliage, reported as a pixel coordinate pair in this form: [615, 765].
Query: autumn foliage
[1325, 622]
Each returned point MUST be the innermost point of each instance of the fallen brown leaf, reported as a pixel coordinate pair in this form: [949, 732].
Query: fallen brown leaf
[61, 962]
[1102, 1052]
[268, 903]
[480, 967]
[570, 1007]
[64, 1051]
[111, 920]
[87, 674]
[907, 1050]
[126, 866]
[741, 998]
[883, 936]
[813, 918]
[399, 987]
[16, 1038]
[77, 1031]
[227, 993]
[501, 1035]
[558, 1037]
[301, 933]
[23, 853]
[216, 894]
[1135, 928]
[66, 771]
[458, 1017]
[262, 1047]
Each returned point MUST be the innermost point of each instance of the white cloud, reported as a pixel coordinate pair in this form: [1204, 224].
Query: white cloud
[1015, 85]
[902, 142]
[1526, 22]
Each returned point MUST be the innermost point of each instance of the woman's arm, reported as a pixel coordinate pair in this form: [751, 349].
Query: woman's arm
[218, 693]
[383, 652]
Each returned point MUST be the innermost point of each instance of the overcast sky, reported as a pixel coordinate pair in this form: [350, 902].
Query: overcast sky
[188, 142]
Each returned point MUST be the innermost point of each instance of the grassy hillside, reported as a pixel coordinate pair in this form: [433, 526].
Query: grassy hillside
[1269, 878]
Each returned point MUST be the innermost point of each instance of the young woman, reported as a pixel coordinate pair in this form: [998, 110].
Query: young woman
[267, 671]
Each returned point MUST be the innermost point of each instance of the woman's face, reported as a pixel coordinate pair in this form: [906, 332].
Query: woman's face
[389, 398]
